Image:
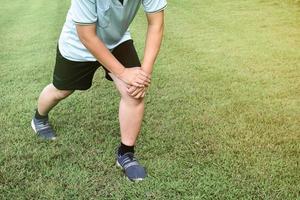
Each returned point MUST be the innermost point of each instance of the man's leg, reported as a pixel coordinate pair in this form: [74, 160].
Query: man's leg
[67, 76]
[49, 97]
[131, 112]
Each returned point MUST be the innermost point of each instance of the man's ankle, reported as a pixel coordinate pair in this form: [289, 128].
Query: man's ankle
[123, 149]
[39, 116]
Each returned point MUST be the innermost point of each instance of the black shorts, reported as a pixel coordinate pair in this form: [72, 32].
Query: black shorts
[72, 75]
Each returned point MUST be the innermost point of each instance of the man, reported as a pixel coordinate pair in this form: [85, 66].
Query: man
[96, 34]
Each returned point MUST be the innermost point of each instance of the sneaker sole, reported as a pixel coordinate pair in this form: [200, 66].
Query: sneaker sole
[134, 180]
[34, 129]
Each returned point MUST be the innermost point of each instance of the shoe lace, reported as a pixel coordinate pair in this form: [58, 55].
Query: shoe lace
[129, 158]
[44, 125]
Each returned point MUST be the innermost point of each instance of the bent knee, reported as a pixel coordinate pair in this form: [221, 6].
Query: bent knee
[131, 100]
[122, 88]
[62, 94]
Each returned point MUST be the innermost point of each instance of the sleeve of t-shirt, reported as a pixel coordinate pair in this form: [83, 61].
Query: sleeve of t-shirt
[84, 11]
[152, 6]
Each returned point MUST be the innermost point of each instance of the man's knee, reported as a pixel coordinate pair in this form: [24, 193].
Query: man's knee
[122, 87]
[62, 94]
[131, 100]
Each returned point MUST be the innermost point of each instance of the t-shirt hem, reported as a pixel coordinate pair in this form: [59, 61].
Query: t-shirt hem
[62, 52]
[92, 58]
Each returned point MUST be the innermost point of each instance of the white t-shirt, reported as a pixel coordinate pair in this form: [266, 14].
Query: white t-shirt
[112, 19]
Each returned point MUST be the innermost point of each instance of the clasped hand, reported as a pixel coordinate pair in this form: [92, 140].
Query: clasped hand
[137, 81]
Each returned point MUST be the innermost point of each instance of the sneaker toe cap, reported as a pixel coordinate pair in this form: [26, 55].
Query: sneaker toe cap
[47, 135]
[135, 173]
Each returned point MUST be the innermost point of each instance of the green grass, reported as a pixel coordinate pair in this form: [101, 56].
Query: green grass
[222, 116]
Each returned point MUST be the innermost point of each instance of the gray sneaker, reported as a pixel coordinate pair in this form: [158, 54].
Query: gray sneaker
[131, 167]
[43, 128]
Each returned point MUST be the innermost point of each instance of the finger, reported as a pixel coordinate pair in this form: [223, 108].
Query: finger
[146, 81]
[131, 89]
[134, 93]
[142, 80]
[136, 84]
[144, 77]
[143, 95]
[130, 93]
[138, 95]
[139, 90]
[144, 74]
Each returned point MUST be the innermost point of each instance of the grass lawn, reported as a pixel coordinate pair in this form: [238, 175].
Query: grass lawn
[222, 117]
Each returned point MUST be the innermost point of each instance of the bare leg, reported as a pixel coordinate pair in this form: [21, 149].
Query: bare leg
[50, 97]
[131, 112]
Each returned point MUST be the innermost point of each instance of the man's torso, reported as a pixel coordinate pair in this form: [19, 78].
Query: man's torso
[112, 19]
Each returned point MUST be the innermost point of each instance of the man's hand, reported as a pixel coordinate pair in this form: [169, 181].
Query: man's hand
[137, 92]
[135, 77]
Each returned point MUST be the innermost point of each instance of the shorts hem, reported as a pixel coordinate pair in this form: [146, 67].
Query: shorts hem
[61, 87]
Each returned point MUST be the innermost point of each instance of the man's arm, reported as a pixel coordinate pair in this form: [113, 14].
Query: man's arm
[153, 39]
[131, 76]
[152, 46]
